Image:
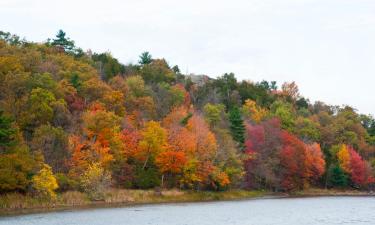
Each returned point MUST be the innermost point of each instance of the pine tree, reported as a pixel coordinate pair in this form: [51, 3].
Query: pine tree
[237, 126]
[6, 132]
[145, 58]
[75, 81]
[63, 41]
[337, 177]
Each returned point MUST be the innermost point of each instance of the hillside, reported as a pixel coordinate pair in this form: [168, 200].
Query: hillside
[81, 121]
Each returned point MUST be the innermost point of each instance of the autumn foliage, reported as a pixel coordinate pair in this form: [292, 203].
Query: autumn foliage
[289, 165]
[74, 120]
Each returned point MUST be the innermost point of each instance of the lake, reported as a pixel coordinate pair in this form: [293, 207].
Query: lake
[284, 211]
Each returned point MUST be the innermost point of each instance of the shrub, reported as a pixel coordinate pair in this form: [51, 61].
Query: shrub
[44, 182]
[65, 183]
[95, 180]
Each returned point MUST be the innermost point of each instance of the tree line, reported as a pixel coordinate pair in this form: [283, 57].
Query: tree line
[75, 120]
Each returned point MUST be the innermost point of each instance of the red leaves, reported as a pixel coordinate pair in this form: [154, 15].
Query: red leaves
[353, 164]
[279, 159]
[293, 163]
[360, 170]
[130, 139]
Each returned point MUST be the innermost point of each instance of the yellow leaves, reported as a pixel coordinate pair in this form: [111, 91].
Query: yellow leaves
[45, 182]
[221, 178]
[97, 119]
[343, 156]
[10, 64]
[213, 113]
[114, 101]
[85, 152]
[95, 180]
[190, 173]
[154, 137]
[251, 110]
[153, 141]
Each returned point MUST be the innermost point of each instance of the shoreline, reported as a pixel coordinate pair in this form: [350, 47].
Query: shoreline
[146, 197]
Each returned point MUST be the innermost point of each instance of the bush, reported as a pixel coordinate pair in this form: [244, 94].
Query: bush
[66, 183]
[45, 182]
[94, 181]
[148, 178]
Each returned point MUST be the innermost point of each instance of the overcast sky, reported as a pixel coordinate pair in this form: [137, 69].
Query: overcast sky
[326, 46]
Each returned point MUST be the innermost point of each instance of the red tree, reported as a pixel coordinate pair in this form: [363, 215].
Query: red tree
[360, 171]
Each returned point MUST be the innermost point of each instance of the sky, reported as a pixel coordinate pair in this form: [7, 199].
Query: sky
[326, 46]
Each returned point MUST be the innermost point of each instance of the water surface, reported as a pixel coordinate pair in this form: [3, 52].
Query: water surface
[286, 211]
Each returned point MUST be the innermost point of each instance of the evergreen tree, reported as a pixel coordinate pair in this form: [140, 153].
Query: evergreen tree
[337, 177]
[145, 58]
[237, 126]
[75, 81]
[7, 132]
[63, 41]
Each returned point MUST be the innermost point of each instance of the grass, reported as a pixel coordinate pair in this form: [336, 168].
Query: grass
[15, 203]
[331, 192]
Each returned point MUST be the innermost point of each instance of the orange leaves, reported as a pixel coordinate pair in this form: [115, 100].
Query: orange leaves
[171, 162]
[344, 158]
[221, 178]
[174, 118]
[251, 110]
[101, 142]
[85, 152]
[205, 140]
[182, 140]
[315, 161]
[303, 164]
[130, 139]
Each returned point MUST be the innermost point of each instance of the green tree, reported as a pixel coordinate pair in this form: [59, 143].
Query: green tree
[145, 58]
[226, 84]
[307, 129]
[108, 66]
[7, 132]
[284, 111]
[40, 106]
[237, 126]
[63, 41]
[158, 71]
[213, 113]
[76, 81]
[337, 177]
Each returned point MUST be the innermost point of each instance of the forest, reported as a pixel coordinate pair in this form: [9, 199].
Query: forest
[78, 120]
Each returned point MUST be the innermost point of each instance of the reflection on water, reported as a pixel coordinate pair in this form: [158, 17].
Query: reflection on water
[292, 211]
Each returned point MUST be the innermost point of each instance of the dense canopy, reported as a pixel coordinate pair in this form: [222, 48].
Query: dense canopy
[75, 120]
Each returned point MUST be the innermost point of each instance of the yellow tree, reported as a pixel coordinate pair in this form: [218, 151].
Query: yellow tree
[251, 110]
[343, 156]
[153, 141]
[45, 182]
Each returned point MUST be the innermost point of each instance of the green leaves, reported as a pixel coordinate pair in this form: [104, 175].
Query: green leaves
[237, 126]
[7, 132]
